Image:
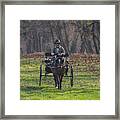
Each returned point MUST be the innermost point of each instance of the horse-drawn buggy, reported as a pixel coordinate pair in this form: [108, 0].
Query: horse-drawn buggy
[59, 66]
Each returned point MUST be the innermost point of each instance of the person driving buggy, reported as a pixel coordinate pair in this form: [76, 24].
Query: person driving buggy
[58, 51]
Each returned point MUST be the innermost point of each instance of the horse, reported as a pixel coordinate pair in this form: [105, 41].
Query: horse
[57, 67]
[58, 72]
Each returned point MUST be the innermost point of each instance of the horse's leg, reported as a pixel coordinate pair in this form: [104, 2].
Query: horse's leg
[55, 79]
[61, 77]
[59, 82]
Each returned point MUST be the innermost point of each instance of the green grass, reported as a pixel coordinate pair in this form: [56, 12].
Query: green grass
[86, 84]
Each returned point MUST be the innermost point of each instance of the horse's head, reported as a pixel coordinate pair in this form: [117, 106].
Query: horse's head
[59, 60]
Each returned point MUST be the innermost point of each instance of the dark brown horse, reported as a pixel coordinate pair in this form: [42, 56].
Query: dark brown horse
[58, 74]
[57, 67]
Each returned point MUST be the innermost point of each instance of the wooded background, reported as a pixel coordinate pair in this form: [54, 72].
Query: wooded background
[76, 36]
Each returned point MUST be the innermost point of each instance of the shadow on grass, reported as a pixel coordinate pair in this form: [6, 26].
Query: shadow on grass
[48, 89]
[30, 88]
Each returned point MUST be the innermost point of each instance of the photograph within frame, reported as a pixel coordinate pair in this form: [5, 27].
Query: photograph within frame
[53, 46]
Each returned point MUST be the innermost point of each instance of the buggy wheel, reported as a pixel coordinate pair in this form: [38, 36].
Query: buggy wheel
[71, 76]
[40, 80]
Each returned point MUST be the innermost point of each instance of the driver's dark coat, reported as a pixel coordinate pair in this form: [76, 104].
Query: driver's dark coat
[58, 50]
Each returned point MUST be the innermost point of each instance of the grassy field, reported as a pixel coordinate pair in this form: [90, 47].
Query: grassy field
[86, 84]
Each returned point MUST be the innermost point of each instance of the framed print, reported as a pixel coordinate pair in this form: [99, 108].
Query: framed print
[60, 59]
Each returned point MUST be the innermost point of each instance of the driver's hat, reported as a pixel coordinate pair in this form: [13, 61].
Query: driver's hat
[57, 41]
